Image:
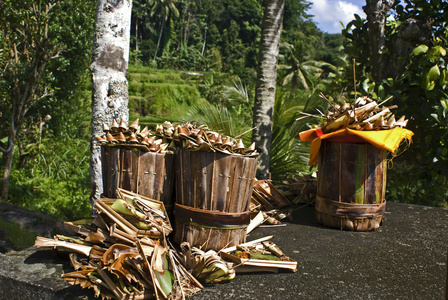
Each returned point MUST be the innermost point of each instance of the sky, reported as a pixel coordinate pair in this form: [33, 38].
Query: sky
[329, 13]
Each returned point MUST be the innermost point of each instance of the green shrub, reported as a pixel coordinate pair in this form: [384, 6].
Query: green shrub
[56, 180]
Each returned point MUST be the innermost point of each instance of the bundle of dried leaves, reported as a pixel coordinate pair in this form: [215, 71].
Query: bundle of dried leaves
[207, 266]
[133, 137]
[363, 114]
[122, 253]
[169, 136]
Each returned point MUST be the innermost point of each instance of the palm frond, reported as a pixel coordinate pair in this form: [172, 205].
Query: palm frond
[221, 120]
[287, 155]
[288, 78]
[237, 92]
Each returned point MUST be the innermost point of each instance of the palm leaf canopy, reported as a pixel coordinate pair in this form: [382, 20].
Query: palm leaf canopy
[300, 69]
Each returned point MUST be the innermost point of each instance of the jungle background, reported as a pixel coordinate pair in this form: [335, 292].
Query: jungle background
[196, 60]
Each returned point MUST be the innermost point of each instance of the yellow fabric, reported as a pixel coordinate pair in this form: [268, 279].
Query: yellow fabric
[384, 139]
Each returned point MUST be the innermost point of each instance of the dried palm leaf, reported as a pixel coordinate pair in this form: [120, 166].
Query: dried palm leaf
[259, 253]
[65, 245]
[205, 266]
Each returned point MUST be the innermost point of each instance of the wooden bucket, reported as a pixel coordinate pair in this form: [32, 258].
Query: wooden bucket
[213, 192]
[351, 185]
[148, 174]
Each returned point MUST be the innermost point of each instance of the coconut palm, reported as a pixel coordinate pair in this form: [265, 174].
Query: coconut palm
[300, 69]
[165, 8]
[266, 82]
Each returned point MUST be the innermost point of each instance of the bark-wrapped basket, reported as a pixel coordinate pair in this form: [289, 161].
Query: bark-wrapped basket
[148, 174]
[213, 192]
[351, 185]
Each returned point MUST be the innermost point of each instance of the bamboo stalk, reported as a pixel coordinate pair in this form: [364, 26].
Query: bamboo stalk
[376, 116]
[306, 115]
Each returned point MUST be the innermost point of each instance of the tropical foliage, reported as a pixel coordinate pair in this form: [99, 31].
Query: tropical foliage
[44, 44]
[300, 70]
[197, 59]
[417, 41]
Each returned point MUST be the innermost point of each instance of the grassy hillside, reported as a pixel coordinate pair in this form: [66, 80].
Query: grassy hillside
[158, 95]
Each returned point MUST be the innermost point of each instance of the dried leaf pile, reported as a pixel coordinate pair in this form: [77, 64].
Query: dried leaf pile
[133, 137]
[268, 201]
[363, 114]
[169, 136]
[302, 188]
[123, 253]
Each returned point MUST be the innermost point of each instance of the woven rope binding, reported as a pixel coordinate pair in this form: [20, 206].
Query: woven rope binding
[349, 216]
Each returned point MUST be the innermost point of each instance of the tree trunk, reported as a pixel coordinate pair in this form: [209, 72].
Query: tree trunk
[8, 155]
[160, 38]
[205, 42]
[266, 82]
[376, 11]
[109, 82]
[7, 173]
[136, 36]
[411, 33]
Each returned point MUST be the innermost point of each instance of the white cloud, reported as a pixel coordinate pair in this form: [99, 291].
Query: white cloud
[329, 13]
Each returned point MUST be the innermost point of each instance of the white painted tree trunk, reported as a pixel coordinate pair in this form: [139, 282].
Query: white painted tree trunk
[109, 71]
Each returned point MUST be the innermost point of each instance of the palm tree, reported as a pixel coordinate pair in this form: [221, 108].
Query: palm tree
[300, 69]
[165, 8]
[266, 82]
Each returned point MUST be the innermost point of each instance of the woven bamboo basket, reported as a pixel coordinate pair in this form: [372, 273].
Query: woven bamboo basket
[148, 174]
[213, 192]
[351, 185]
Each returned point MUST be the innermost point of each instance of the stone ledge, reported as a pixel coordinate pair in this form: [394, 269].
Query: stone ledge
[36, 274]
[404, 259]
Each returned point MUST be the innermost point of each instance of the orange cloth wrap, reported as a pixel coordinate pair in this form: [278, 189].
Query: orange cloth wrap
[385, 139]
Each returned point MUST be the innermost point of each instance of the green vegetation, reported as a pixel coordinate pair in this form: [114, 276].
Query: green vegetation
[164, 93]
[418, 81]
[21, 239]
[203, 68]
[55, 180]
